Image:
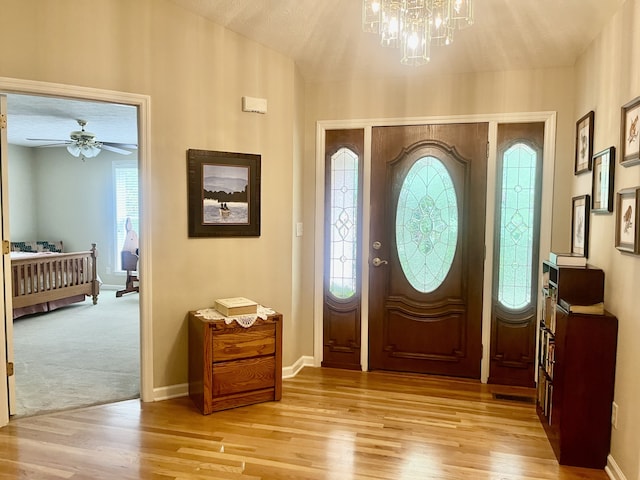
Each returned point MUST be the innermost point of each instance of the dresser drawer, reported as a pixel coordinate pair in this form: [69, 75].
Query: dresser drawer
[244, 343]
[243, 375]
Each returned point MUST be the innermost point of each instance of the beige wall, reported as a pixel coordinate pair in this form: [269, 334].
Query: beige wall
[195, 73]
[608, 76]
[23, 213]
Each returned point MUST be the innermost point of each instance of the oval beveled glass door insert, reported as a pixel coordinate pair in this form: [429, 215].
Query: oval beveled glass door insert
[427, 224]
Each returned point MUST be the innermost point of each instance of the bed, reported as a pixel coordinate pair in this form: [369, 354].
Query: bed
[44, 278]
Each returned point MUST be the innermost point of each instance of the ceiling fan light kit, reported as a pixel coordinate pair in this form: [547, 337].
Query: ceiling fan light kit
[415, 25]
[83, 144]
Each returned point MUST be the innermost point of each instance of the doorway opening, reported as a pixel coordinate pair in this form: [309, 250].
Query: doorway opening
[80, 354]
[143, 347]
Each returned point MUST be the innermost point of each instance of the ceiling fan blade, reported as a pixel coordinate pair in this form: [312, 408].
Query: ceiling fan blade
[53, 145]
[47, 140]
[116, 150]
[121, 145]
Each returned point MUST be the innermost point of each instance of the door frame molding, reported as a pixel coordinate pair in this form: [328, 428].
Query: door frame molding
[143, 105]
[549, 119]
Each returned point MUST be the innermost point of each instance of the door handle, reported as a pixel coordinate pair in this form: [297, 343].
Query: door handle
[377, 262]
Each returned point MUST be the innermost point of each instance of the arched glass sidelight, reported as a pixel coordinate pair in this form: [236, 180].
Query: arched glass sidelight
[427, 224]
[344, 224]
[517, 227]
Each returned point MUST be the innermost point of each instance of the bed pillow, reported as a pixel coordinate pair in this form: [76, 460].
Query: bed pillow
[39, 246]
[46, 246]
[24, 247]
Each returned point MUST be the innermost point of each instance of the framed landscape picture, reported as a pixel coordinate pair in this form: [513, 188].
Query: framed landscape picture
[627, 220]
[629, 127]
[584, 143]
[580, 225]
[602, 181]
[223, 194]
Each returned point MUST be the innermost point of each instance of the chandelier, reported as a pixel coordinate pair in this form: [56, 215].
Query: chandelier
[415, 25]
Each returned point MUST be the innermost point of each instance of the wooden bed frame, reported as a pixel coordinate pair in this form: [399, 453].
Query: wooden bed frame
[45, 282]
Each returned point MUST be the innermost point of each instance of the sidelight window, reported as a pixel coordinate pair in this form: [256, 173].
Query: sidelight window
[517, 226]
[344, 224]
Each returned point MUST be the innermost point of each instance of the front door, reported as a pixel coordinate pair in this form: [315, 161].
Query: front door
[428, 189]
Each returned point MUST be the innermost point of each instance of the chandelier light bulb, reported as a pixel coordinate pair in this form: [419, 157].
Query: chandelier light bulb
[412, 41]
[375, 7]
[393, 24]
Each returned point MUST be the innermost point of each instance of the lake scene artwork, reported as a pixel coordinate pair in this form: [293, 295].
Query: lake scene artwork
[225, 194]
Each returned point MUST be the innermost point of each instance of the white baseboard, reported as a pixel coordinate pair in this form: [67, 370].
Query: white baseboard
[182, 390]
[613, 470]
[292, 371]
[172, 391]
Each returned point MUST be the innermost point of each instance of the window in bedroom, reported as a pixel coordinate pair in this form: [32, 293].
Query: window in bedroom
[125, 177]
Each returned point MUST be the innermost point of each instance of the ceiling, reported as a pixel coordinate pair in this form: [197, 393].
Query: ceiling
[55, 118]
[325, 39]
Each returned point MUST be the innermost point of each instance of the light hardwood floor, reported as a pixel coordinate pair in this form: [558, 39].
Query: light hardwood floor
[330, 424]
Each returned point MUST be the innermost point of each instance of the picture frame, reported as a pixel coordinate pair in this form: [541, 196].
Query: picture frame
[629, 133]
[580, 225]
[627, 215]
[584, 143]
[223, 194]
[602, 181]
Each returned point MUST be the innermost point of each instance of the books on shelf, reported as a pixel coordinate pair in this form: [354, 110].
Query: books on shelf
[567, 259]
[235, 306]
[595, 309]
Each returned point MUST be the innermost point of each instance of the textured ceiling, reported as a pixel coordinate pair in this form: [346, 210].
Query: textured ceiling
[55, 118]
[325, 39]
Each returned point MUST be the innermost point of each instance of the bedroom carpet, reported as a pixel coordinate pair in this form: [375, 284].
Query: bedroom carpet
[77, 356]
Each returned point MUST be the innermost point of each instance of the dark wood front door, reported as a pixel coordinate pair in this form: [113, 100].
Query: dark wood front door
[428, 189]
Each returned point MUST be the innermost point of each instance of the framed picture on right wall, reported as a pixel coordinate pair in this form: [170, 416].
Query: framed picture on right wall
[629, 140]
[584, 144]
[580, 225]
[627, 220]
[602, 181]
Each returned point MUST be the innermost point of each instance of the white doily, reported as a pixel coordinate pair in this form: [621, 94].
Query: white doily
[245, 321]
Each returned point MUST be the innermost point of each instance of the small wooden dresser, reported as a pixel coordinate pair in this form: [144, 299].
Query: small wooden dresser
[231, 366]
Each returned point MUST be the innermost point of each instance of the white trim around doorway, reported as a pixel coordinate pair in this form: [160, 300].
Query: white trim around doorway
[549, 119]
[143, 105]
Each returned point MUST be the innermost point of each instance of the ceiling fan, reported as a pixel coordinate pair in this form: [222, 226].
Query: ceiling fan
[83, 144]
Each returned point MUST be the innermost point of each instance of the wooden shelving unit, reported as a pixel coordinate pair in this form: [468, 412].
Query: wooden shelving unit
[576, 367]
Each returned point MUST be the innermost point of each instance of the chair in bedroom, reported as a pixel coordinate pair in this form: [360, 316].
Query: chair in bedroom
[129, 262]
[129, 259]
